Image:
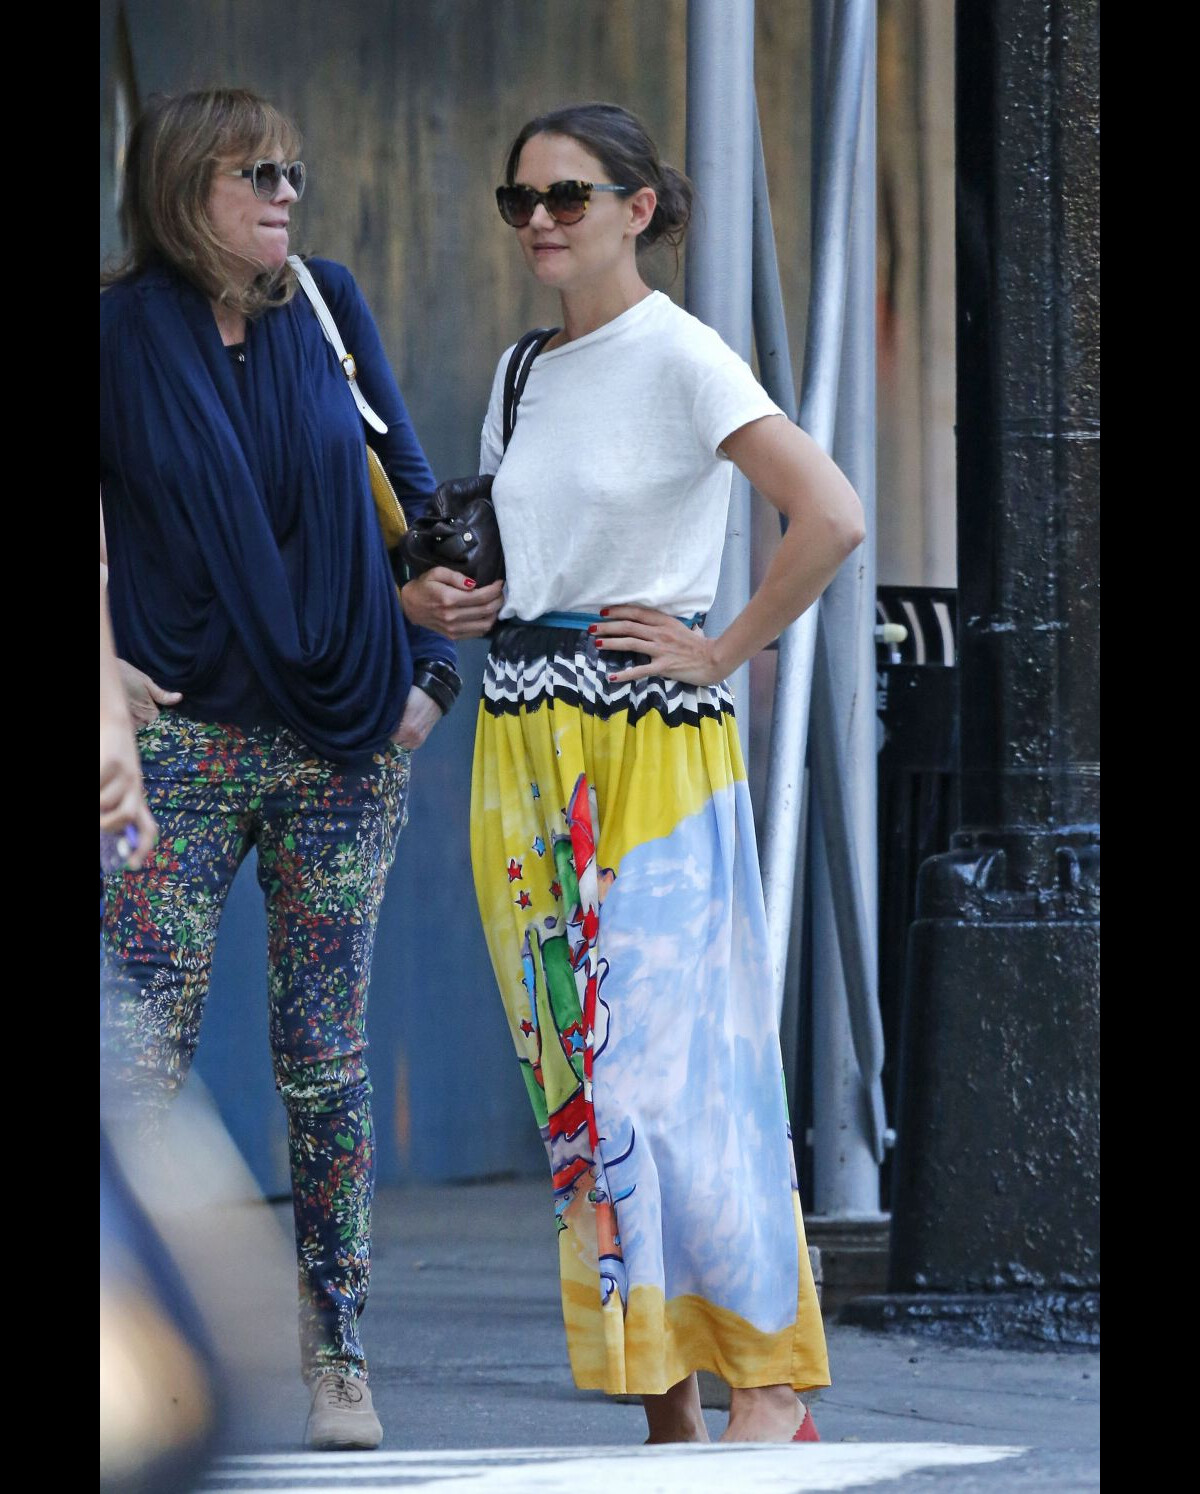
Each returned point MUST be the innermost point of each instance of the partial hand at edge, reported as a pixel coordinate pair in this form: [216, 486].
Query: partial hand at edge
[122, 797]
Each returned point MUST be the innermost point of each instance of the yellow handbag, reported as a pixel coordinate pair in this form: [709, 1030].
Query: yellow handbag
[392, 523]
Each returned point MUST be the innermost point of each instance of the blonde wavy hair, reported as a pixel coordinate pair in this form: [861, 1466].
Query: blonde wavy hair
[174, 151]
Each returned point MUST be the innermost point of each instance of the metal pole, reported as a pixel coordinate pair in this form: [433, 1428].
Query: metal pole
[831, 229]
[851, 934]
[720, 162]
[852, 927]
[770, 320]
[847, 1028]
[849, 1126]
[775, 371]
[821, 30]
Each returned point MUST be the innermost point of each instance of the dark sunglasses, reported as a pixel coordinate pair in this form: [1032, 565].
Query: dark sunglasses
[566, 202]
[265, 177]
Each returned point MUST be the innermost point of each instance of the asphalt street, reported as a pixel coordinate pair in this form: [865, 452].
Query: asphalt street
[470, 1378]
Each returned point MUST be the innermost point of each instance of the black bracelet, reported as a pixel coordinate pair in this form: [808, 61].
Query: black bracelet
[439, 680]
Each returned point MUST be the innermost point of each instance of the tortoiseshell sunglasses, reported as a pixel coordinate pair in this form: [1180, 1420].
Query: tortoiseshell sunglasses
[566, 202]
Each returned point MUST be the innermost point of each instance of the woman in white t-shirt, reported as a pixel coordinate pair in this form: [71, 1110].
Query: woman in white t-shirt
[611, 829]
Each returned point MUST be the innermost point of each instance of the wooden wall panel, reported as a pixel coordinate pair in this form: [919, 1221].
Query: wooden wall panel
[408, 107]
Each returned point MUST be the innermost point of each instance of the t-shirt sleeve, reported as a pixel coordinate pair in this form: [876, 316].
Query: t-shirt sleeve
[491, 438]
[727, 398]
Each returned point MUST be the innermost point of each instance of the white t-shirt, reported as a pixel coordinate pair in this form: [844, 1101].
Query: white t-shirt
[612, 491]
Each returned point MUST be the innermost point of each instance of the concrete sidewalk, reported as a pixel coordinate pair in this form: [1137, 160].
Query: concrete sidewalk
[467, 1352]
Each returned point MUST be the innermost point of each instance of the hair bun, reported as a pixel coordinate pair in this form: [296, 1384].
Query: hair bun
[673, 212]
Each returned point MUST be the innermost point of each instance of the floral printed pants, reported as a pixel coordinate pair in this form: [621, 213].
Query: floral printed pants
[326, 835]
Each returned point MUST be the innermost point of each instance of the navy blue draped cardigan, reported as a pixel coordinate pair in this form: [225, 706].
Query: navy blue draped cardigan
[245, 564]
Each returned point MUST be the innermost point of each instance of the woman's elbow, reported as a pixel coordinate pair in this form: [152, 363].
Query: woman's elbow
[849, 524]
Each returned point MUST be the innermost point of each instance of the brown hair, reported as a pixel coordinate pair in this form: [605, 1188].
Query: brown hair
[174, 150]
[621, 142]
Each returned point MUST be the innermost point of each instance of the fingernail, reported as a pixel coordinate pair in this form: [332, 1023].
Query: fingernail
[599, 642]
[604, 612]
[468, 583]
[591, 627]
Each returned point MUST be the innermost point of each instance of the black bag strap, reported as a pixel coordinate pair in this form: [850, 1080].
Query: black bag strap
[517, 373]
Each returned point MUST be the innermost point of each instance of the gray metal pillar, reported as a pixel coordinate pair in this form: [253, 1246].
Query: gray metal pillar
[852, 924]
[775, 370]
[835, 120]
[720, 162]
[845, 1165]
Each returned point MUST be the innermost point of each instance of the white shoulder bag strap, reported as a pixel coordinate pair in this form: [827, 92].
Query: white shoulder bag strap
[329, 327]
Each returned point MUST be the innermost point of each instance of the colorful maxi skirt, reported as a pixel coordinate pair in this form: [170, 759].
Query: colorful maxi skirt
[615, 865]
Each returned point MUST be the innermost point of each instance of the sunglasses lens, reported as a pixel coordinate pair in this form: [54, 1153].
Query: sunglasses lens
[296, 178]
[516, 205]
[265, 180]
[567, 202]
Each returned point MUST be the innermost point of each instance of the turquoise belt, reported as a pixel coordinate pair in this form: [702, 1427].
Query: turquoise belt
[577, 620]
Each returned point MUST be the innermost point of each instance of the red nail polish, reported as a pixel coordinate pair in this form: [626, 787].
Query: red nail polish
[468, 583]
[604, 612]
[592, 628]
[599, 642]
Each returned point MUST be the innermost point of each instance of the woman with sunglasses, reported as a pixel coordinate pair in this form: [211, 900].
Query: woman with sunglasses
[612, 835]
[279, 689]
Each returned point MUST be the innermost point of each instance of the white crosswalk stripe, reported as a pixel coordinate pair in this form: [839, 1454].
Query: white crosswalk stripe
[641, 1470]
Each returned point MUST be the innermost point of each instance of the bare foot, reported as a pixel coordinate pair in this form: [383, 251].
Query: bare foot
[676, 1416]
[765, 1413]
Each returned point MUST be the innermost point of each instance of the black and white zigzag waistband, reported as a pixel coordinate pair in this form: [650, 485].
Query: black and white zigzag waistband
[530, 666]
